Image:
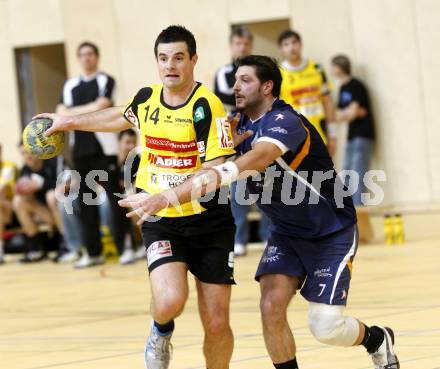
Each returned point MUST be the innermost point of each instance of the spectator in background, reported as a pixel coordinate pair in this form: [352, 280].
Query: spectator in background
[8, 174]
[241, 43]
[67, 189]
[305, 87]
[128, 164]
[354, 108]
[93, 151]
[33, 191]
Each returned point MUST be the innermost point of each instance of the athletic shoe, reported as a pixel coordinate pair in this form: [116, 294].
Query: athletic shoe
[141, 253]
[127, 257]
[33, 257]
[384, 357]
[87, 261]
[158, 349]
[239, 249]
[68, 257]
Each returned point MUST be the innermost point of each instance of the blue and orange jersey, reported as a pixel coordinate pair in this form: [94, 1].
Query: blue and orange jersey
[300, 192]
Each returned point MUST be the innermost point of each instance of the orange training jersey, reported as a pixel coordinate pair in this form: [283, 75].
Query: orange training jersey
[176, 140]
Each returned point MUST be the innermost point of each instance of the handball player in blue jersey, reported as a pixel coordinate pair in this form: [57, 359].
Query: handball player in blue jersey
[313, 235]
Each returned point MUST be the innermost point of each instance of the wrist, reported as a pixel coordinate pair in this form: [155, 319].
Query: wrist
[165, 197]
[228, 172]
[71, 123]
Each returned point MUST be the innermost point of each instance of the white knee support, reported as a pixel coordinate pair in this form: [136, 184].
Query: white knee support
[329, 325]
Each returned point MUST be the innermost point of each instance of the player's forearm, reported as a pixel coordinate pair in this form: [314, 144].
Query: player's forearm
[187, 192]
[252, 162]
[256, 160]
[107, 120]
[98, 104]
[329, 108]
[183, 193]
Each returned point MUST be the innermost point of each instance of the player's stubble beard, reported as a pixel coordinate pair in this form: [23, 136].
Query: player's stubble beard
[253, 104]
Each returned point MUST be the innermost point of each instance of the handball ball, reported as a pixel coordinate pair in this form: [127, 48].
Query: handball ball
[35, 141]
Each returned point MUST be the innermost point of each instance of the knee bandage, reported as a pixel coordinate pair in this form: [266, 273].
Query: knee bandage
[329, 325]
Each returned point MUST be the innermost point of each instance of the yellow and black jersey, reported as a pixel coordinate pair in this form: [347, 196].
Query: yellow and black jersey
[8, 176]
[176, 140]
[303, 88]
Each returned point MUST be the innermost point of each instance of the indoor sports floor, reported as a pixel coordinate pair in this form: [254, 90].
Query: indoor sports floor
[54, 317]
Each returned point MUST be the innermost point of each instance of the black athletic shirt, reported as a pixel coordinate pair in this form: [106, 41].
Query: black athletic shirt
[223, 84]
[355, 90]
[80, 91]
[129, 170]
[47, 174]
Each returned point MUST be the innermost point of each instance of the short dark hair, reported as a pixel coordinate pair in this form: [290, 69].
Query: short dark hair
[88, 44]
[288, 34]
[177, 33]
[266, 69]
[343, 62]
[129, 132]
[241, 31]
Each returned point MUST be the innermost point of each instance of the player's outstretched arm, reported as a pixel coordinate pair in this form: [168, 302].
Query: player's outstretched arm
[107, 120]
[204, 181]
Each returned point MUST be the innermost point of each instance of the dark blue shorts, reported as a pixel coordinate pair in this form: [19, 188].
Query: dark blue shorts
[323, 265]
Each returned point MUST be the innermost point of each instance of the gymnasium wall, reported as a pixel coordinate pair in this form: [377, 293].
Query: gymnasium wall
[391, 43]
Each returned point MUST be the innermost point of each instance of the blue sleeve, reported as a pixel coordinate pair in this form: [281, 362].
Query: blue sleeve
[284, 130]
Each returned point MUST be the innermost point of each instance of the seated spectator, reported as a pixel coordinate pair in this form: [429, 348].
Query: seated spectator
[354, 108]
[8, 173]
[33, 192]
[128, 163]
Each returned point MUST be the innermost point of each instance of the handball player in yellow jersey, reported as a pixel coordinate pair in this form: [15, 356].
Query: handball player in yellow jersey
[183, 128]
[305, 86]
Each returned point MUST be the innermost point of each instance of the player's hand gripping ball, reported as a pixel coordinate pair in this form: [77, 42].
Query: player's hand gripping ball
[37, 143]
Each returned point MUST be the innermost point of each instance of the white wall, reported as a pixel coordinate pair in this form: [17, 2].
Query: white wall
[393, 45]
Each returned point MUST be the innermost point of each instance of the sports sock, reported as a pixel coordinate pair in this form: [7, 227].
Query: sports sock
[164, 328]
[291, 364]
[373, 338]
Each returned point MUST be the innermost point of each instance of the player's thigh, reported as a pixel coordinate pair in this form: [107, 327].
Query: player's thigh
[329, 264]
[167, 260]
[169, 284]
[23, 203]
[6, 210]
[280, 261]
[213, 301]
[211, 257]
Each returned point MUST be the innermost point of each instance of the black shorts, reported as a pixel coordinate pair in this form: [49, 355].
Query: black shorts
[204, 242]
